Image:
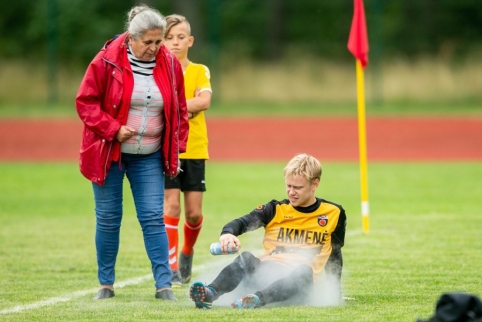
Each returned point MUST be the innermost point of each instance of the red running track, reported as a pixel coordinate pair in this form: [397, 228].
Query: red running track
[277, 139]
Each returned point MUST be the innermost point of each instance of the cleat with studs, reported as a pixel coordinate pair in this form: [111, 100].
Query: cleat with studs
[202, 295]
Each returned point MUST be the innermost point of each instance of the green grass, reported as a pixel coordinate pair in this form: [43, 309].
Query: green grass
[272, 109]
[424, 240]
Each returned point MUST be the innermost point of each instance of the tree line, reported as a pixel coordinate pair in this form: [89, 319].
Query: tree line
[72, 31]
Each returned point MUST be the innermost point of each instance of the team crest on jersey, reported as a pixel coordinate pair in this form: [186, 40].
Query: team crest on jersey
[322, 221]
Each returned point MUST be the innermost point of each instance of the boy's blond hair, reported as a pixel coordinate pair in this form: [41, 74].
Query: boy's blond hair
[174, 20]
[304, 165]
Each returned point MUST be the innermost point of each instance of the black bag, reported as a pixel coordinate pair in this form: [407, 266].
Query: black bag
[457, 307]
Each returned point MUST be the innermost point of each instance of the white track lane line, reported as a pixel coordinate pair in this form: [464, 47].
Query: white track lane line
[71, 296]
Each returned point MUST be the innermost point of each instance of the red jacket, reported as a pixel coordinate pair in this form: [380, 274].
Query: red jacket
[103, 103]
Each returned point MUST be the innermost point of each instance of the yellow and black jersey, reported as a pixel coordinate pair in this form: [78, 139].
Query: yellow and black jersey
[297, 235]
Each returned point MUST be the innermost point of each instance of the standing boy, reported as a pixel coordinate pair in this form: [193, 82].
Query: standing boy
[191, 180]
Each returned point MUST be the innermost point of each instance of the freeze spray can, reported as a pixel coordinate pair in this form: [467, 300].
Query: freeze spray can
[216, 249]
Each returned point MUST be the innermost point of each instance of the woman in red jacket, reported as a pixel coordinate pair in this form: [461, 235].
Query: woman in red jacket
[132, 103]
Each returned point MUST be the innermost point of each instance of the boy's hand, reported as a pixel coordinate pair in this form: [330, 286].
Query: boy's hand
[226, 239]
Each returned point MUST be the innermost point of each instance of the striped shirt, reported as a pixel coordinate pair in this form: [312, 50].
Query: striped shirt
[146, 110]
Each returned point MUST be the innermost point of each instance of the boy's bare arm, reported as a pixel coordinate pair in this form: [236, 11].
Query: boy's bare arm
[200, 102]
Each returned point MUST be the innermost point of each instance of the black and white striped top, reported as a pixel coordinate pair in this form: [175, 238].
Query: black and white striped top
[140, 67]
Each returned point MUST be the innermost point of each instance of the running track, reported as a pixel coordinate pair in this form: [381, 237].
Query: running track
[278, 139]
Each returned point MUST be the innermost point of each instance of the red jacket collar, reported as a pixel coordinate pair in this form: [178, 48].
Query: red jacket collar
[115, 48]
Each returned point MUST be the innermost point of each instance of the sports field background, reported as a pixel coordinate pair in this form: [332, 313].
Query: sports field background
[424, 240]
[331, 138]
[283, 82]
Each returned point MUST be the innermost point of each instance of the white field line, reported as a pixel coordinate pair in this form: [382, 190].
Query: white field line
[353, 232]
[71, 296]
[132, 281]
[93, 291]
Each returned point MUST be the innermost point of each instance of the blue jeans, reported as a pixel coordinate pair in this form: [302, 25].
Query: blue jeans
[146, 178]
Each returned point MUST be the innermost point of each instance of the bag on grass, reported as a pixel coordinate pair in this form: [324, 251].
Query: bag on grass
[457, 307]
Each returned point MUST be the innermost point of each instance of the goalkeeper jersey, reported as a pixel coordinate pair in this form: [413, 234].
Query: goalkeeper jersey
[196, 76]
[296, 235]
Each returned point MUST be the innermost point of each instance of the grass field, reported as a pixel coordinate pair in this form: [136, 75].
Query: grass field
[424, 240]
[425, 217]
[425, 85]
[290, 80]
[273, 109]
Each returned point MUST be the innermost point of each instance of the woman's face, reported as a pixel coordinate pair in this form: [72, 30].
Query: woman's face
[146, 47]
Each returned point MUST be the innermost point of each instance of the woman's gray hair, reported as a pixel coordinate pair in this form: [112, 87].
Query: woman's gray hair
[142, 18]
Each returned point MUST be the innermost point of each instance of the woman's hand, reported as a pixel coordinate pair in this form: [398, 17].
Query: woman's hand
[125, 133]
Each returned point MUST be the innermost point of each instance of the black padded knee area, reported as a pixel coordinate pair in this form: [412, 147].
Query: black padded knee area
[297, 283]
[248, 262]
[304, 274]
[230, 277]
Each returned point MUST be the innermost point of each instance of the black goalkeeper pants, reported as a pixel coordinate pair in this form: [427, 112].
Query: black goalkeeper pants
[246, 266]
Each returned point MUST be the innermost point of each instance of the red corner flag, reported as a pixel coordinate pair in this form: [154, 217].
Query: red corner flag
[358, 40]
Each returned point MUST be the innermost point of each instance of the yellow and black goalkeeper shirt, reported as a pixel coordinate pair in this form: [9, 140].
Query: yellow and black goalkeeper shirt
[296, 235]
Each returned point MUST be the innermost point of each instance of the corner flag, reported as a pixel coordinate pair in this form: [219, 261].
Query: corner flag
[358, 46]
[358, 40]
